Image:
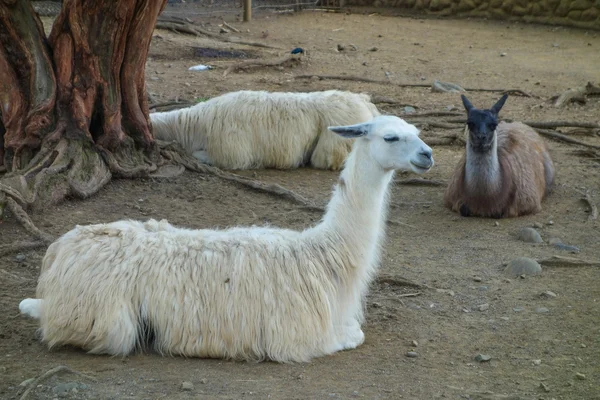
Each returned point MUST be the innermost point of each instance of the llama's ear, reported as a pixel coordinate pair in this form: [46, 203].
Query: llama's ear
[352, 131]
[466, 103]
[496, 108]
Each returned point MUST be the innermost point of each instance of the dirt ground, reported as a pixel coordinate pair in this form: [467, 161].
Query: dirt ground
[537, 344]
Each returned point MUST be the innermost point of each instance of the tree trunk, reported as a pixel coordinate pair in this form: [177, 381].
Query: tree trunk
[73, 106]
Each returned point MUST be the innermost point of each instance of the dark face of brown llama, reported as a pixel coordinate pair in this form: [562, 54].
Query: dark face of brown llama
[482, 125]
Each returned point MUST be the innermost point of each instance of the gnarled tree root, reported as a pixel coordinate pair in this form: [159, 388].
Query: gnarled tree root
[17, 247]
[67, 168]
[173, 152]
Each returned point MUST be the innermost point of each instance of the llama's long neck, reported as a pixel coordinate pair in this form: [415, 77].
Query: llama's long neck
[482, 170]
[358, 209]
[183, 126]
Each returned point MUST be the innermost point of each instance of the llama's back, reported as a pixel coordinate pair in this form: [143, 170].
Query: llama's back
[260, 129]
[523, 149]
[231, 294]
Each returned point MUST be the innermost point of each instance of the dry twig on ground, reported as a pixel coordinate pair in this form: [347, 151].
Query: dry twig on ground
[170, 105]
[49, 374]
[230, 27]
[435, 124]
[564, 138]
[183, 26]
[258, 63]
[562, 124]
[420, 85]
[576, 94]
[420, 182]
[174, 153]
[561, 261]
[436, 114]
[18, 247]
[394, 280]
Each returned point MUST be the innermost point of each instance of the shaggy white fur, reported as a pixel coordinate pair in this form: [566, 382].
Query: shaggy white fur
[249, 293]
[259, 129]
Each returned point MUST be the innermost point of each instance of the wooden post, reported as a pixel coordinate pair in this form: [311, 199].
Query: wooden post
[247, 10]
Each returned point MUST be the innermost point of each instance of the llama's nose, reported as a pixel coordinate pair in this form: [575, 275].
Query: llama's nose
[426, 153]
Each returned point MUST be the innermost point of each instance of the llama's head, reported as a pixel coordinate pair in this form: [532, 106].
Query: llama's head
[482, 124]
[393, 143]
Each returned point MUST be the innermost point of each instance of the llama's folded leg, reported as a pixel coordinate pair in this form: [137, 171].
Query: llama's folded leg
[202, 156]
[31, 307]
[349, 336]
[353, 335]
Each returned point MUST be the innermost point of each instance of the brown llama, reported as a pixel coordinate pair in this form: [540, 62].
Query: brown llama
[506, 170]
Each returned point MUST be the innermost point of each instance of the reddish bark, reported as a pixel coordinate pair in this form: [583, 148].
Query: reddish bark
[85, 84]
[27, 86]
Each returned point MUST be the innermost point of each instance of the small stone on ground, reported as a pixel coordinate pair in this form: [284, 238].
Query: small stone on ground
[523, 266]
[529, 235]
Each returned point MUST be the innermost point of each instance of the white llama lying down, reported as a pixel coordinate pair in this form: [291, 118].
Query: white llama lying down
[243, 293]
[259, 129]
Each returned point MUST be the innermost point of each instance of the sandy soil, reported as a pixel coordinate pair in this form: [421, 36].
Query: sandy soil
[535, 355]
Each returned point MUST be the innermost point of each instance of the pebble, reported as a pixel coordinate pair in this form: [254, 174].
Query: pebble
[187, 386]
[447, 87]
[583, 346]
[2, 370]
[542, 310]
[537, 225]
[554, 241]
[537, 362]
[523, 266]
[477, 279]
[496, 223]
[482, 357]
[416, 344]
[447, 291]
[355, 393]
[20, 257]
[204, 381]
[63, 389]
[502, 54]
[409, 109]
[549, 294]
[373, 49]
[483, 288]
[529, 235]
[580, 376]
[518, 309]
[340, 47]
[412, 354]
[544, 387]
[483, 307]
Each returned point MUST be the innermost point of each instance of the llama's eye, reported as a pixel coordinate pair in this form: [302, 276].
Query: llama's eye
[391, 138]
[492, 127]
